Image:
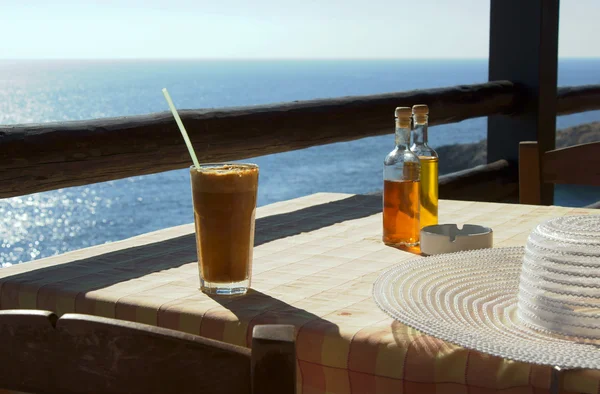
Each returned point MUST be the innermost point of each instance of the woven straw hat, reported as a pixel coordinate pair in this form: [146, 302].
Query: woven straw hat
[539, 304]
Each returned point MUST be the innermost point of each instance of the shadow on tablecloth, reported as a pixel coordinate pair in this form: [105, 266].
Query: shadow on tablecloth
[85, 275]
[257, 308]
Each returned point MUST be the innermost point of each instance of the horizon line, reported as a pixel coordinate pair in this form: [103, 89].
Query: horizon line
[266, 58]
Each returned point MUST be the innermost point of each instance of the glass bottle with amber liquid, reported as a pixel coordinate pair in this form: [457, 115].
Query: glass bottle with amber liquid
[401, 188]
[429, 166]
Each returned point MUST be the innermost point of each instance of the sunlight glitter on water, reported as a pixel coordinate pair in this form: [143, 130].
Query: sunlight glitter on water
[39, 218]
[45, 224]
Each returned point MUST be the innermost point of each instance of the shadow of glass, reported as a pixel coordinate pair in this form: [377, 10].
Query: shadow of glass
[257, 308]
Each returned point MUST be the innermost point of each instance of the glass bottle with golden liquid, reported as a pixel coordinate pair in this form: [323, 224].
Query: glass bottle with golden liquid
[401, 188]
[429, 166]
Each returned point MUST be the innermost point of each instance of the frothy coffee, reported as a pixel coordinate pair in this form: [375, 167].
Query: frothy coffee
[224, 208]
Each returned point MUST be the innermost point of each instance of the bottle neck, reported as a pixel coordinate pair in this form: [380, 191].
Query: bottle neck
[420, 133]
[402, 133]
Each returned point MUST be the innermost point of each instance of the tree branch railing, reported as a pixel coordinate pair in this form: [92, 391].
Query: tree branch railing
[575, 99]
[40, 157]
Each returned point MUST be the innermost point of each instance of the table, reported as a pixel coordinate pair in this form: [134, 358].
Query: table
[315, 261]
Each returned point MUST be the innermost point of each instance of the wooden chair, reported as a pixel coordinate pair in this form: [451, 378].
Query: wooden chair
[40, 353]
[579, 165]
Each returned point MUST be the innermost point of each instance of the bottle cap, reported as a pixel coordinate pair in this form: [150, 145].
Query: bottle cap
[420, 109]
[403, 112]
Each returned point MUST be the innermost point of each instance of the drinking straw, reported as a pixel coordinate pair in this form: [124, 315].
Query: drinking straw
[184, 133]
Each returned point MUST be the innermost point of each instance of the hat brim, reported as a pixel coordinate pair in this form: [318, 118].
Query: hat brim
[470, 299]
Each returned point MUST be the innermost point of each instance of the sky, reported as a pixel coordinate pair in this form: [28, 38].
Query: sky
[267, 29]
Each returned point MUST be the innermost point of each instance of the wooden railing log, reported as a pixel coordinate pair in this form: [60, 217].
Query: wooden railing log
[574, 99]
[40, 157]
[494, 182]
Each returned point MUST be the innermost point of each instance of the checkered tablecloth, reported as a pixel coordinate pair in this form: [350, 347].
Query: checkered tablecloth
[315, 261]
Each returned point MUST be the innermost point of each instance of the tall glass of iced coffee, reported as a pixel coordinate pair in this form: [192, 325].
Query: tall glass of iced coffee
[224, 197]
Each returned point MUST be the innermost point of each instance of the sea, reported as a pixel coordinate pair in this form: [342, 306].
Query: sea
[38, 91]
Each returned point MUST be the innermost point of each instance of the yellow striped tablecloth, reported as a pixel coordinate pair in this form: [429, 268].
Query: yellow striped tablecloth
[315, 261]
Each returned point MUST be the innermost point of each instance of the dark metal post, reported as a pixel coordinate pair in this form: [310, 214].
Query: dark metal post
[524, 49]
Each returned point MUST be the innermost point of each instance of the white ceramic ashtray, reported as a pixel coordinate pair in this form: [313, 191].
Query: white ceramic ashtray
[448, 238]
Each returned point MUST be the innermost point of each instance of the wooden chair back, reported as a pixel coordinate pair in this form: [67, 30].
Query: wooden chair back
[578, 165]
[41, 353]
